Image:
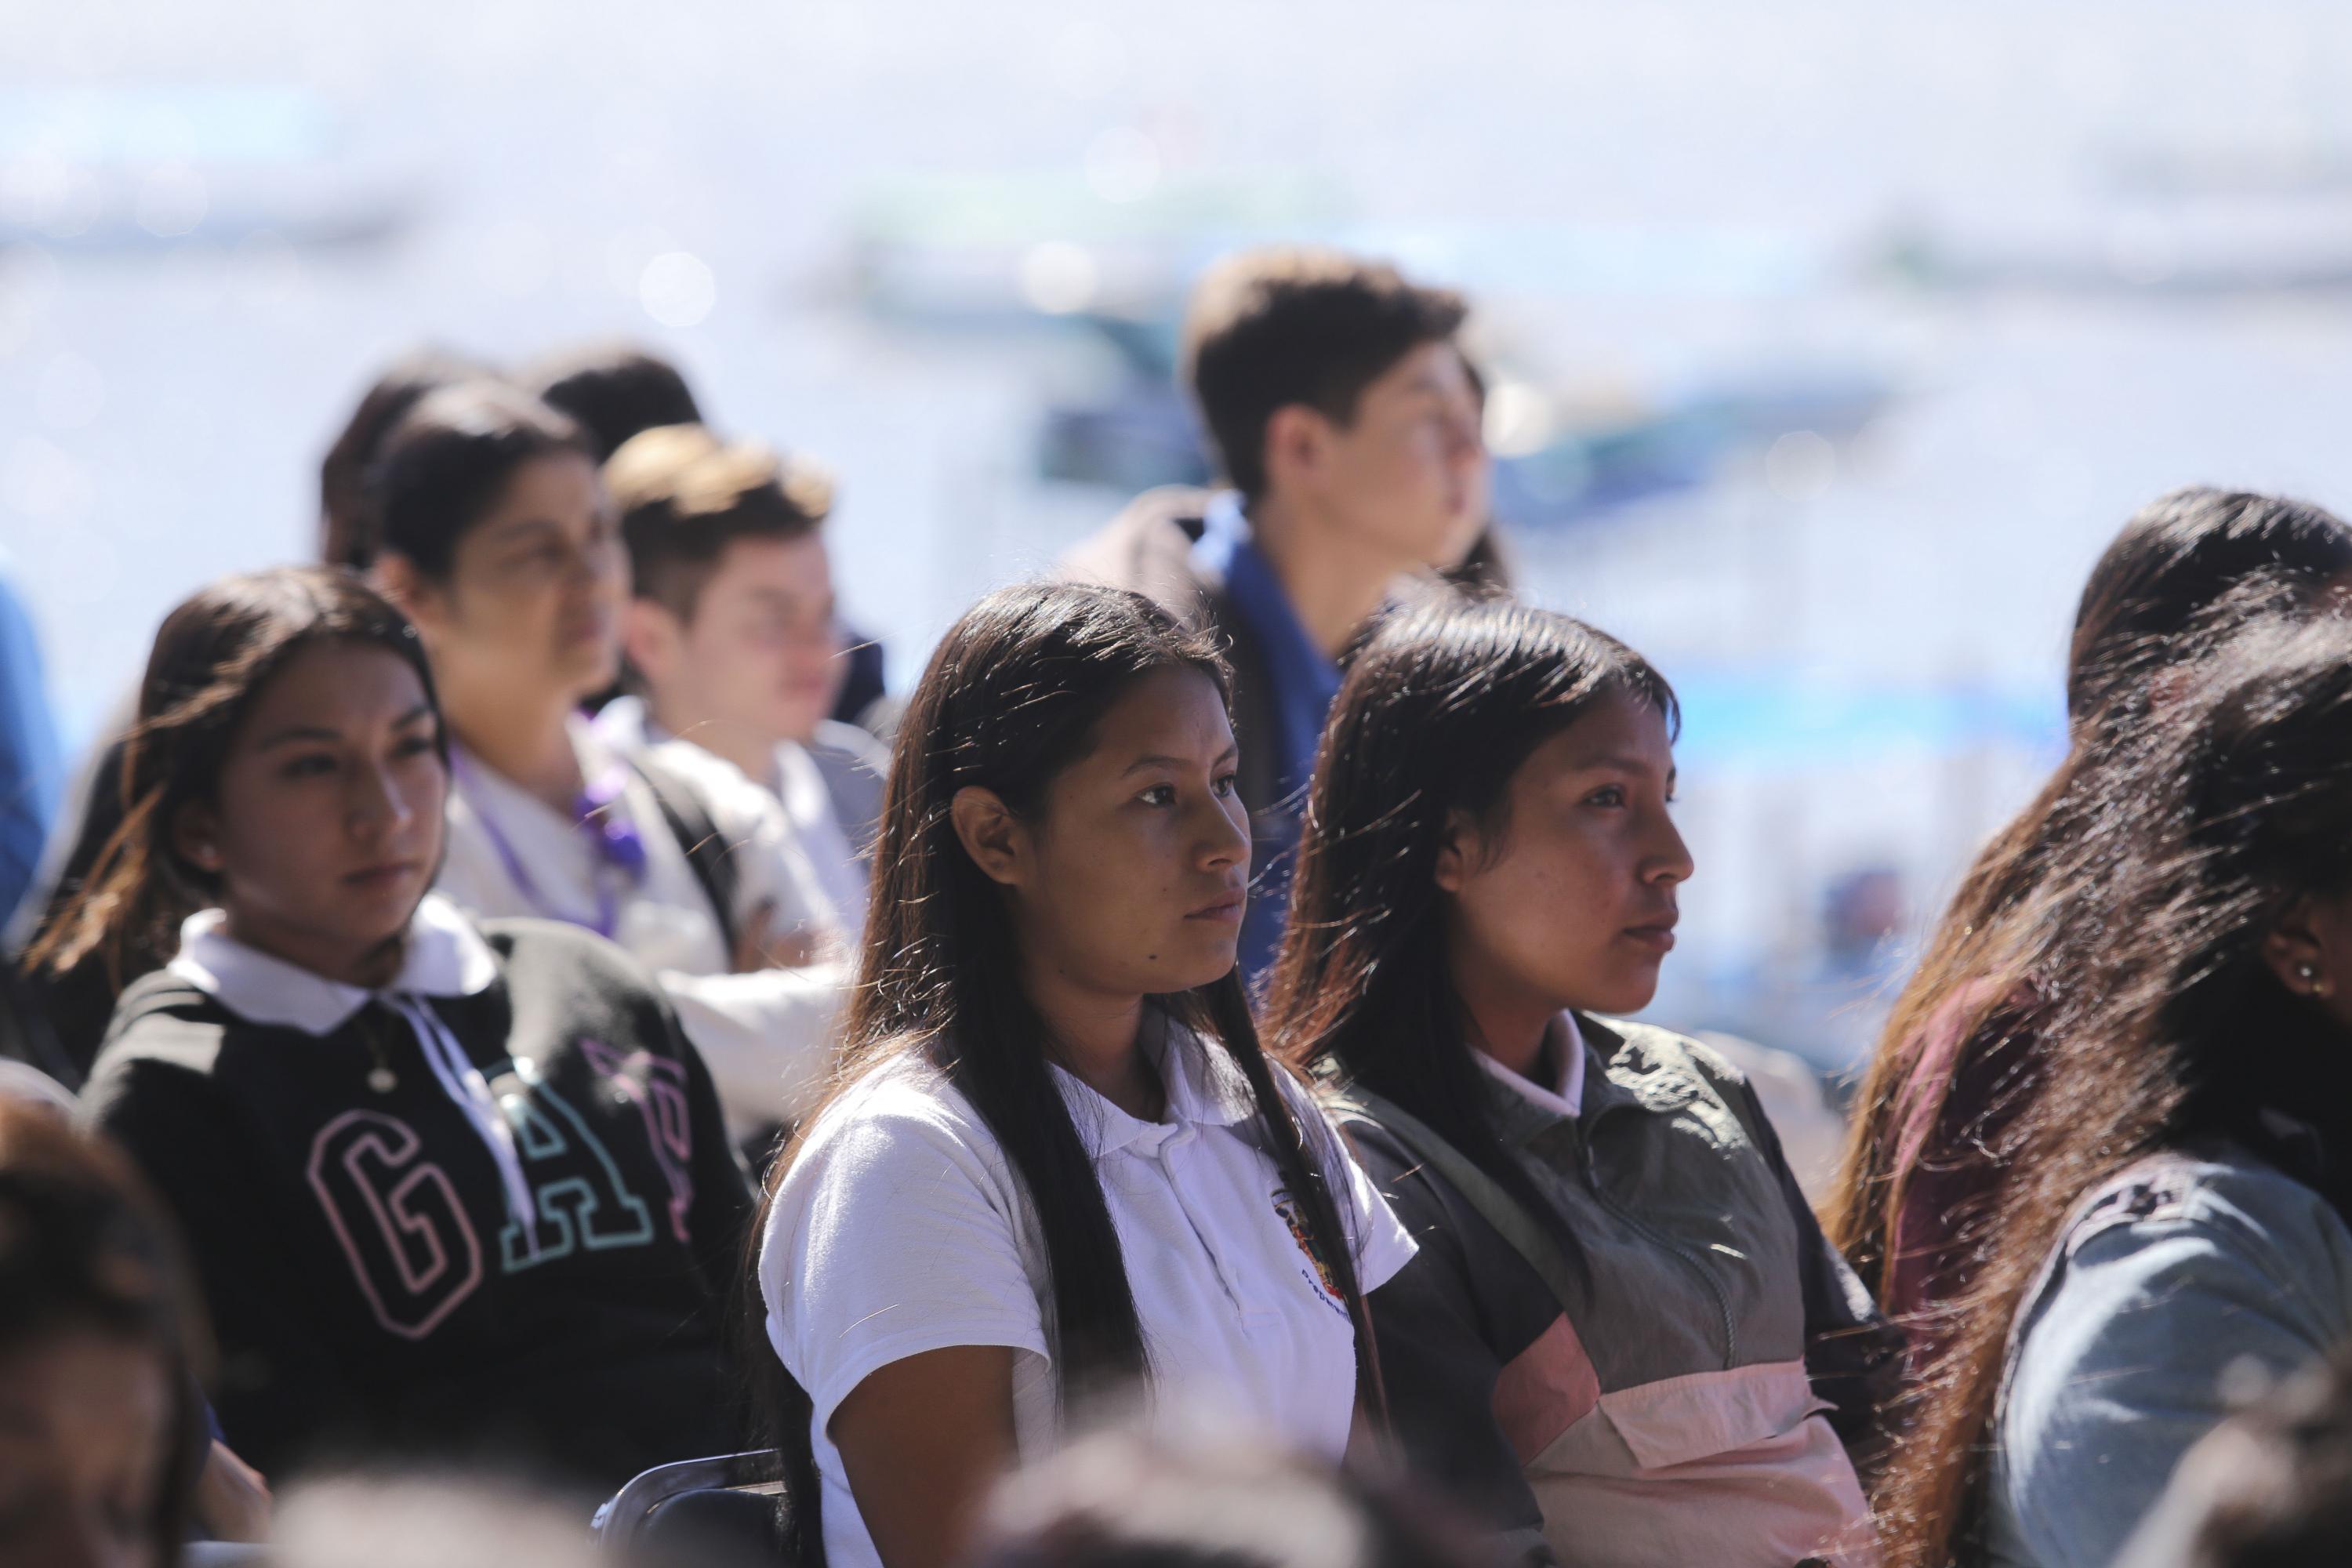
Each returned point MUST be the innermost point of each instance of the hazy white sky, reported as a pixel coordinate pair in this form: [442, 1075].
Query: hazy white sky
[1641, 197]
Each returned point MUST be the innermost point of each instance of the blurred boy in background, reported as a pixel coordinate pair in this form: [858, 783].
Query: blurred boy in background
[732, 639]
[1347, 423]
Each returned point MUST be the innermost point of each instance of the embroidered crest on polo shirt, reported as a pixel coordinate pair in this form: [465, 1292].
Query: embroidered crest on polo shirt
[1310, 1247]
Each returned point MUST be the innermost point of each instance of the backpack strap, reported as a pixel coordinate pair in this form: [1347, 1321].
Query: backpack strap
[697, 835]
[1510, 1218]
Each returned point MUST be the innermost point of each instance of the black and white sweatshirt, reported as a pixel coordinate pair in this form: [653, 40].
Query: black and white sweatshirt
[489, 1210]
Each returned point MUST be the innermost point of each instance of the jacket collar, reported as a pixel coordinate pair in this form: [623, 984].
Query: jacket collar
[1566, 1097]
[446, 957]
[1620, 1071]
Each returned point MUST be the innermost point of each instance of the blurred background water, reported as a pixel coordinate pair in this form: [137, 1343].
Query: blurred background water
[1829, 341]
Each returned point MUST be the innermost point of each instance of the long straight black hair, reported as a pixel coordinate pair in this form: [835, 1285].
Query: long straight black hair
[1012, 696]
[1438, 709]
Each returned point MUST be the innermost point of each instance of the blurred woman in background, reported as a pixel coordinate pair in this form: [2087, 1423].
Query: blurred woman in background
[495, 534]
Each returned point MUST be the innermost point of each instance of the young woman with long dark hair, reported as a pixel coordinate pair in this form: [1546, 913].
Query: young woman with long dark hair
[494, 532]
[1930, 1134]
[1059, 1161]
[449, 1190]
[1625, 1338]
[2169, 1224]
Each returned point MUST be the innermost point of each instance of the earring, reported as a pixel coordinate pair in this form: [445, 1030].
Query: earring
[2309, 975]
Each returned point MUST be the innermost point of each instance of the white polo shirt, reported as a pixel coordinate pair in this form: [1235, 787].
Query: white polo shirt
[901, 1228]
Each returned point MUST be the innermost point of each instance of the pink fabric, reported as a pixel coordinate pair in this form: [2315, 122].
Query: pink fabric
[1546, 1389]
[1727, 1469]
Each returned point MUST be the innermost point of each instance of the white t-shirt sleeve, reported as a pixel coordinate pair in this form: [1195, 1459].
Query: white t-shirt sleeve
[893, 1234]
[1376, 1239]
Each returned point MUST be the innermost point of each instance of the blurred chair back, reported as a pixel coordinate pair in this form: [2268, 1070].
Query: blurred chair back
[725, 1511]
[224, 1554]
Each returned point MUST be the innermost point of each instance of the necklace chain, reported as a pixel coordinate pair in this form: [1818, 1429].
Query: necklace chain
[381, 1078]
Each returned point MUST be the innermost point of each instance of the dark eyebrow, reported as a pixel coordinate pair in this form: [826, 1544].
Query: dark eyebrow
[1158, 761]
[300, 732]
[1623, 761]
[294, 732]
[522, 525]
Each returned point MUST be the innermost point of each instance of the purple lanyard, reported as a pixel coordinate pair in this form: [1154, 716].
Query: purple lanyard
[599, 812]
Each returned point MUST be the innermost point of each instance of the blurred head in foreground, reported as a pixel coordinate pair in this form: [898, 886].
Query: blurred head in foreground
[100, 1442]
[1122, 1500]
[427, 1521]
[2269, 1490]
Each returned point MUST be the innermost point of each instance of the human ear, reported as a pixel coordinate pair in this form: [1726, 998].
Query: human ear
[2294, 951]
[990, 835]
[397, 578]
[1457, 850]
[1295, 436]
[195, 835]
[650, 636]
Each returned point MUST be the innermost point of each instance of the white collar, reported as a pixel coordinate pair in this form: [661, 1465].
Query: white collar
[1568, 1098]
[488, 791]
[1205, 1089]
[447, 957]
[625, 724]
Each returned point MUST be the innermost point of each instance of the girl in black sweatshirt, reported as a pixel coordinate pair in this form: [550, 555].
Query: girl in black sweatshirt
[452, 1192]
